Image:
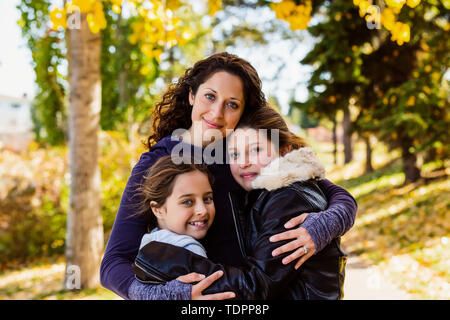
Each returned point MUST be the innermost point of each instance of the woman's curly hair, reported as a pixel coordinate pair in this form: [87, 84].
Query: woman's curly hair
[174, 111]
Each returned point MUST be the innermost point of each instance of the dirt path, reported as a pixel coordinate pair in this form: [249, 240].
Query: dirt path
[367, 283]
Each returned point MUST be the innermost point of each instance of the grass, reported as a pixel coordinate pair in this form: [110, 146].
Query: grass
[43, 280]
[402, 229]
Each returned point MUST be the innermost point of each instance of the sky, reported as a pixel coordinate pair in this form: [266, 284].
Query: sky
[16, 73]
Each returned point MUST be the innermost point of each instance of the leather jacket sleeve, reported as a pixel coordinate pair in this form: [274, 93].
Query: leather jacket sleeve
[263, 276]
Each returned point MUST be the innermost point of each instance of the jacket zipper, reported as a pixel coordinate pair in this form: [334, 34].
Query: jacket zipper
[236, 226]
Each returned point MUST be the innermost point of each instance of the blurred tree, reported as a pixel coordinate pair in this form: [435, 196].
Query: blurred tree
[337, 66]
[49, 112]
[394, 76]
[406, 99]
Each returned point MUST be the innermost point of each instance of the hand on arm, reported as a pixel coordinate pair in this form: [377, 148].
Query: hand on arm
[319, 228]
[203, 284]
[302, 240]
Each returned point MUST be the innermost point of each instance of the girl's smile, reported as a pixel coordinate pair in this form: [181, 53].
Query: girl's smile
[190, 208]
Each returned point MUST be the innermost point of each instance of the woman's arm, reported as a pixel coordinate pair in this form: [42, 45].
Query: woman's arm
[336, 220]
[317, 229]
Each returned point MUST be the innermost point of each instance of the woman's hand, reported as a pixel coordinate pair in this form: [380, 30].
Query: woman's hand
[203, 283]
[302, 240]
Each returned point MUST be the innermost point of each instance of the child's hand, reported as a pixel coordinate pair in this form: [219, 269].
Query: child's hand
[203, 283]
[191, 277]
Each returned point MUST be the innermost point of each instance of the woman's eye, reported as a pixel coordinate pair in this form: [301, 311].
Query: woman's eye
[256, 149]
[209, 96]
[208, 199]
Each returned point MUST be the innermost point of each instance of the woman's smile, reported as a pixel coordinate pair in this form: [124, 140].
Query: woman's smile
[212, 124]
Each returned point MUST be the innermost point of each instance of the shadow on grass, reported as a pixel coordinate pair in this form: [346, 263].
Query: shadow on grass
[403, 231]
[390, 168]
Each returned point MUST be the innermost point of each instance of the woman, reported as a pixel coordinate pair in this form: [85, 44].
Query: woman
[212, 96]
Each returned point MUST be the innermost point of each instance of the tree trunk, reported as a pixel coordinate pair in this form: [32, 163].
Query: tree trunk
[347, 136]
[369, 167]
[431, 155]
[335, 140]
[412, 172]
[84, 239]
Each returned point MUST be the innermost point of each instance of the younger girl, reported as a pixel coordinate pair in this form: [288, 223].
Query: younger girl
[280, 175]
[178, 200]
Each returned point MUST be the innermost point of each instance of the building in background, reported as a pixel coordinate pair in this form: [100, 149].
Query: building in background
[15, 123]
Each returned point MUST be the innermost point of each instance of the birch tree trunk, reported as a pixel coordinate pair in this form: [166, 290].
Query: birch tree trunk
[84, 239]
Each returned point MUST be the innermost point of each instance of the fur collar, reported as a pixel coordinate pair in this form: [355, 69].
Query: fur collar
[297, 165]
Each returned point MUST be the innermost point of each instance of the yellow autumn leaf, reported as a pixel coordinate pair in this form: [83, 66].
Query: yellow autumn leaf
[58, 18]
[412, 3]
[85, 6]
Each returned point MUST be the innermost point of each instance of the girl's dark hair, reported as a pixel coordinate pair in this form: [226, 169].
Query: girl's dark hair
[174, 111]
[268, 118]
[158, 183]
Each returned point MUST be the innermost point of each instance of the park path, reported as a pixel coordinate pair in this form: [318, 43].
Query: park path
[364, 282]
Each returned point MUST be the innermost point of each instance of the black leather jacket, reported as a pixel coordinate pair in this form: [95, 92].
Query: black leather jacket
[258, 215]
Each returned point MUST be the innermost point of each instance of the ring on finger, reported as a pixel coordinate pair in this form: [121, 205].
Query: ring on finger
[305, 250]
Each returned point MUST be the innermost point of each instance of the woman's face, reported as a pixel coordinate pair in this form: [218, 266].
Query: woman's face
[217, 106]
[190, 208]
[249, 152]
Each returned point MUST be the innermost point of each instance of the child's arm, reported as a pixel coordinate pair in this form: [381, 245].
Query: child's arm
[172, 290]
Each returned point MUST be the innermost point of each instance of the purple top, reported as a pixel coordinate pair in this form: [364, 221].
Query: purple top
[220, 242]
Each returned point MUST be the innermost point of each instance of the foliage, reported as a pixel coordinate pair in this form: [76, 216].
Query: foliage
[34, 196]
[32, 204]
[399, 90]
[49, 106]
[129, 64]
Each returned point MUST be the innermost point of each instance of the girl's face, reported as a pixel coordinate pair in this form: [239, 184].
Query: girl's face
[189, 210]
[249, 152]
[217, 106]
